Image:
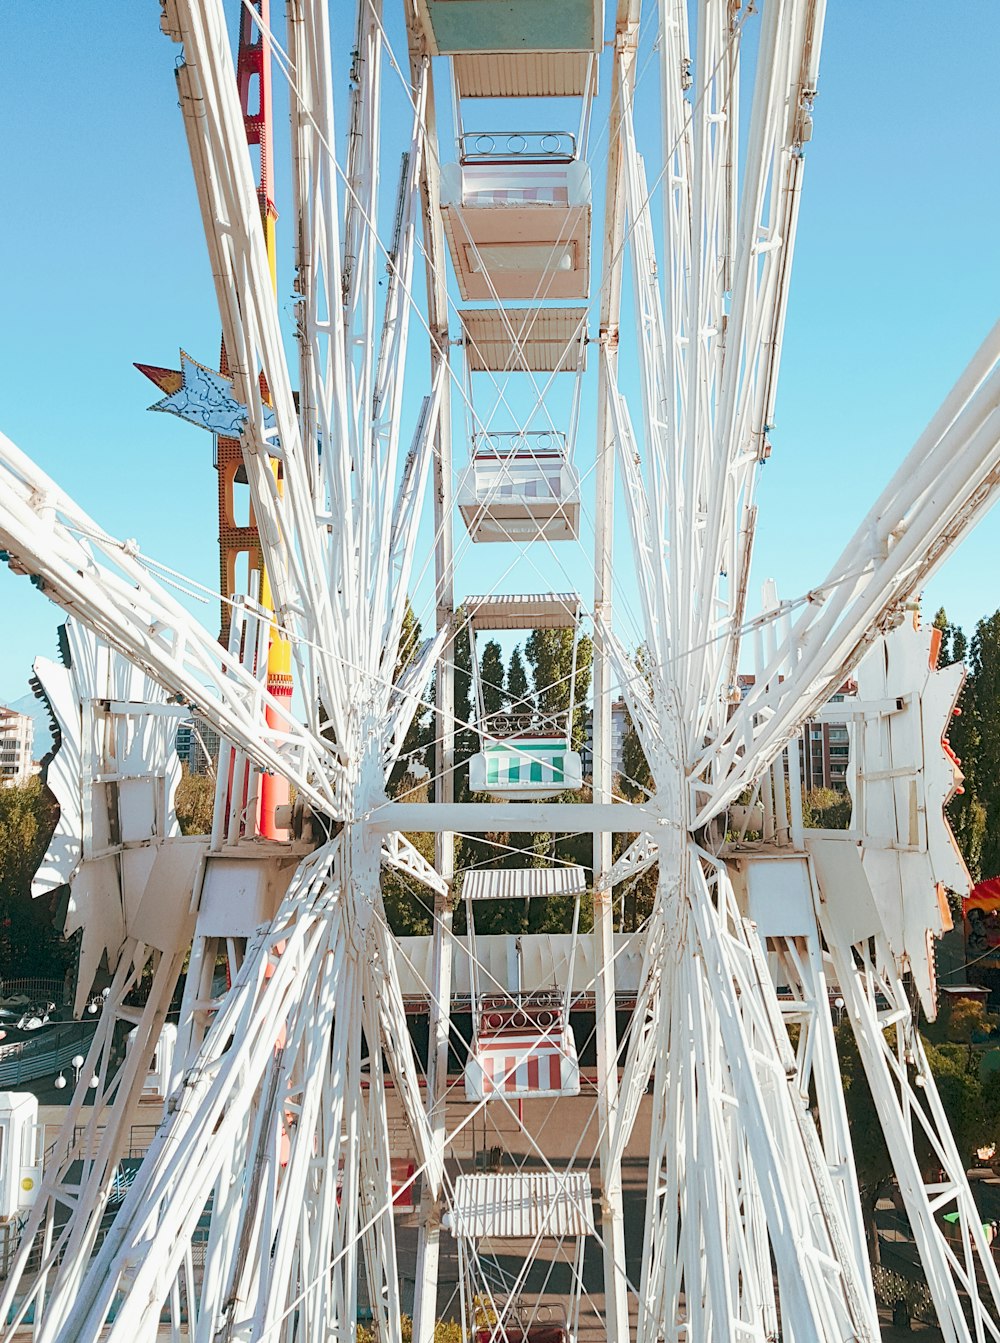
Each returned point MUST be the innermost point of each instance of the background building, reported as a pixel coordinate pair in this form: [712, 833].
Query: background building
[825, 746]
[197, 745]
[182, 742]
[619, 726]
[17, 733]
[826, 749]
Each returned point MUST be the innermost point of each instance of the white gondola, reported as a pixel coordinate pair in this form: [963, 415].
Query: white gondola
[525, 340]
[516, 48]
[524, 753]
[521, 1206]
[523, 1046]
[518, 230]
[520, 487]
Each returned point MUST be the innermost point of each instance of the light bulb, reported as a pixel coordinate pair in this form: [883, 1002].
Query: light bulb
[77, 1060]
[94, 1081]
[60, 1082]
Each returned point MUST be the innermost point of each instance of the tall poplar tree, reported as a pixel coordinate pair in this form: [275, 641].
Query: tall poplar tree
[978, 738]
[550, 655]
[966, 813]
[517, 684]
[492, 678]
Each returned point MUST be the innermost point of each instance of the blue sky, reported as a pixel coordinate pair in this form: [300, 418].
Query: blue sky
[895, 284]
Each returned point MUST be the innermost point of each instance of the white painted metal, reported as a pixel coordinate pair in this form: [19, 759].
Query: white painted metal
[523, 1065]
[783, 914]
[946, 484]
[525, 963]
[523, 883]
[480, 817]
[521, 611]
[20, 1158]
[961, 1275]
[536, 74]
[114, 775]
[103, 583]
[521, 494]
[626, 38]
[518, 232]
[265, 1204]
[539, 340]
[513, 1207]
[901, 778]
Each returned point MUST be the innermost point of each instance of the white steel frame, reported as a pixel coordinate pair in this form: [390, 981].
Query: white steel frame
[266, 1200]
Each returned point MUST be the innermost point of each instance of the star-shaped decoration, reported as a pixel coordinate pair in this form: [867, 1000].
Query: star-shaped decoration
[202, 396]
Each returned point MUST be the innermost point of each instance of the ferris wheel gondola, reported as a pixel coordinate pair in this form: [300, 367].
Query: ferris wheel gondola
[522, 485]
[265, 1209]
[523, 1046]
[524, 750]
[494, 1212]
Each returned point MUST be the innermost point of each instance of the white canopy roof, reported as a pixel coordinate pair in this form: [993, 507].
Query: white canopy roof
[523, 883]
[531, 74]
[522, 1206]
[541, 611]
[541, 340]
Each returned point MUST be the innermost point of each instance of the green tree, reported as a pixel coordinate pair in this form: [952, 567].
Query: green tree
[967, 812]
[466, 742]
[408, 778]
[409, 640]
[962, 1021]
[959, 644]
[956, 1074]
[29, 942]
[975, 738]
[940, 622]
[826, 809]
[492, 678]
[550, 655]
[636, 779]
[968, 822]
[408, 905]
[517, 684]
[971, 1107]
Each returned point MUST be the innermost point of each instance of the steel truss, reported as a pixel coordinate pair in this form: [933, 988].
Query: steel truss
[265, 1204]
[962, 1276]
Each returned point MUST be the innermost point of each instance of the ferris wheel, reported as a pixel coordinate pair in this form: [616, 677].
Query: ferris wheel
[527, 394]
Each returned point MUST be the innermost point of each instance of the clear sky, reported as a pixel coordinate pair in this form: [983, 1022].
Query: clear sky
[897, 275]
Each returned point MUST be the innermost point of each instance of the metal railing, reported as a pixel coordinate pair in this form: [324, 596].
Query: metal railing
[526, 443]
[37, 990]
[517, 147]
[891, 1288]
[53, 1050]
[506, 723]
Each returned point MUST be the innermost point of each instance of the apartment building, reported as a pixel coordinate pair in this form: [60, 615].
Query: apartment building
[826, 748]
[17, 734]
